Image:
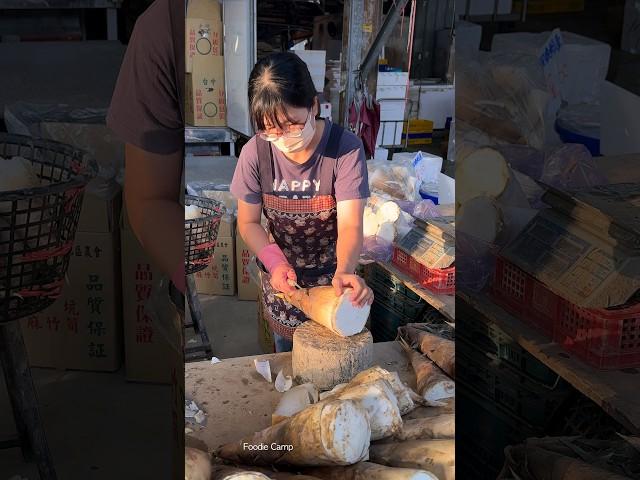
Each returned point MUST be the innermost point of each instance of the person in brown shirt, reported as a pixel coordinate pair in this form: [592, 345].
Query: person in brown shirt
[147, 113]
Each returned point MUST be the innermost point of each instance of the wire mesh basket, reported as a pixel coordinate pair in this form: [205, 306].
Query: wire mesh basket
[201, 233]
[38, 224]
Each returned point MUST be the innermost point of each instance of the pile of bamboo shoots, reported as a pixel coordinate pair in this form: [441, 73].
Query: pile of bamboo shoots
[573, 458]
[374, 427]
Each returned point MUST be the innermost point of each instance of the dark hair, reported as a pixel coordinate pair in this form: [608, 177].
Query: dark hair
[278, 81]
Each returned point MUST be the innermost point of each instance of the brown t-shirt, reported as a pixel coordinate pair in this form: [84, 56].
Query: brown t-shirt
[147, 108]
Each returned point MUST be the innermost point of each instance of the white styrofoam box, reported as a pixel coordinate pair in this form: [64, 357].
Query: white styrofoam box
[316, 63]
[620, 121]
[390, 133]
[392, 110]
[584, 61]
[436, 103]
[325, 110]
[393, 78]
[390, 92]
[468, 36]
[482, 7]
[381, 154]
[446, 190]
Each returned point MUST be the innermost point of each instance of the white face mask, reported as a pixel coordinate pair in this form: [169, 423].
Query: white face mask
[292, 145]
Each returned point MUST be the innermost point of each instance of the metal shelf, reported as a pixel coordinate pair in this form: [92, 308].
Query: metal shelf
[194, 135]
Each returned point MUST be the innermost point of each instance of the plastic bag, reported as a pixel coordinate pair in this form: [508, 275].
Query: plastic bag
[571, 166]
[395, 179]
[376, 249]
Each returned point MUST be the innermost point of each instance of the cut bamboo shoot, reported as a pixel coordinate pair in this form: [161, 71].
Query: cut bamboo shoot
[435, 456]
[370, 223]
[327, 433]
[337, 314]
[371, 471]
[484, 172]
[440, 427]
[480, 219]
[439, 350]
[388, 212]
[431, 383]
[325, 359]
[223, 472]
[197, 464]
[387, 231]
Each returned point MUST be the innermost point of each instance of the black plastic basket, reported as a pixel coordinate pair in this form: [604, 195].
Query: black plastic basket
[201, 233]
[38, 225]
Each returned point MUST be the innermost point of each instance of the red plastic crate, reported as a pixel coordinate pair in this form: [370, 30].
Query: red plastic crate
[438, 280]
[604, 338]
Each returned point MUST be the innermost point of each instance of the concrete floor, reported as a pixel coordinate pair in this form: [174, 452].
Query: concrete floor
[232, 326]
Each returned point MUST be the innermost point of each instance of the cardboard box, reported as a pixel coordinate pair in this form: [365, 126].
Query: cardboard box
[247, 288]
[219, 278]
[205, 103]
[227, 226]
[203, 31]
[100, 213]
[152, 329]
[82, 330]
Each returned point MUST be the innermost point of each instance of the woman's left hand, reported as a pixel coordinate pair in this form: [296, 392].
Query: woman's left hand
[361, 295]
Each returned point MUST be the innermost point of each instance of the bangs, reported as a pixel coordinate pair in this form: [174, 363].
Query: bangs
[269, 108]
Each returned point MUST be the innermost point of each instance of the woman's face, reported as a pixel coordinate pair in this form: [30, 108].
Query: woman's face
[294, 121]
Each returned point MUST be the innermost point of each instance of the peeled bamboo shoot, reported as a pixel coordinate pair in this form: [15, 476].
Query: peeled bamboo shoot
[191, 212]
[440, 427]
[370, 223]
[484, 172]
[197, 464]
[371, 471]
[388, 212]
[435, 456]
[325, 359]
[439, 350]
[337, 314]
[432, 384]
[387, 231]
[328, 433]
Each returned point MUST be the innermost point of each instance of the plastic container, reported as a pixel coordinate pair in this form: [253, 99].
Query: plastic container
[604, 338]
[440, 281]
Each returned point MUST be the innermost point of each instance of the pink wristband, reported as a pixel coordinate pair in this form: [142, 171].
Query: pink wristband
[179, 279]
[271, 256]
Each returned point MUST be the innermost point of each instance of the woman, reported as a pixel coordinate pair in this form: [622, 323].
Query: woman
[309, 177]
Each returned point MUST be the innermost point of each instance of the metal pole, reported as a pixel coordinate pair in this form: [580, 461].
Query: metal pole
[354, 18]
[22, 392]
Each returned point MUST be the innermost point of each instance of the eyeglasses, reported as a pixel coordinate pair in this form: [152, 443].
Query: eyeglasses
[294, 131]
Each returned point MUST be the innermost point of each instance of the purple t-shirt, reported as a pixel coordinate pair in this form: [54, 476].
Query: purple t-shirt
[301, 181]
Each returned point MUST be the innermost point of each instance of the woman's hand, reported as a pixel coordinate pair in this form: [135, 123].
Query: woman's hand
[282, 276]
[361, 295]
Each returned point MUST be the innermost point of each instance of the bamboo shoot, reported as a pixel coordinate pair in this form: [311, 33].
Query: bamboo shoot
[223, 472]
[440, 427]
[197, 464]
[402, 393]
[440, 350]
[337, 314]
[435, 456]
[371, 471]
[325, 359]
[432, 385]
[294, 401]
[327, 433]
[484, 172]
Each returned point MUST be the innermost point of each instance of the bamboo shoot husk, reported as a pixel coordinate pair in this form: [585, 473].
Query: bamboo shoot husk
[435, 456]
[405, 404]
[439, 350]
[430, 412]
[197, 464]
[371, 471]
[440, 427]
[293, 401]
[322, 306]
[325, 359]
[327, 433]
[223, 472]
[432, 384]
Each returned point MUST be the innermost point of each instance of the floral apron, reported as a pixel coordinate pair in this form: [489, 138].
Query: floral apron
[306, 230]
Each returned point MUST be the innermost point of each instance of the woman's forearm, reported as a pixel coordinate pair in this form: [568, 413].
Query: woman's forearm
[348, 249]
[254, 235]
